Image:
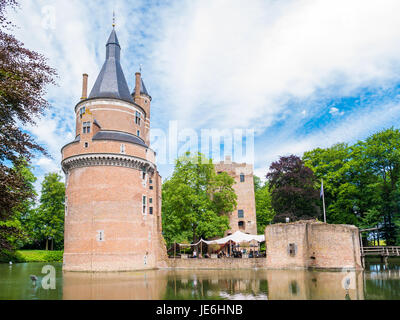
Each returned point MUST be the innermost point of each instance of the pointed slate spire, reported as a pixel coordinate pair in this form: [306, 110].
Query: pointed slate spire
[111, 82]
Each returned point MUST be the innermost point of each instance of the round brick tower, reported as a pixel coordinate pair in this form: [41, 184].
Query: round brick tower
[113, 189]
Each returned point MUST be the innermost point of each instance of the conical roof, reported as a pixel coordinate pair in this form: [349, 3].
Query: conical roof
[111, 82]
[143, 89]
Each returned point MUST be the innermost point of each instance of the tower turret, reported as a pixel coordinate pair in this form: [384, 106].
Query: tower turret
[143, 99]
[113, 189]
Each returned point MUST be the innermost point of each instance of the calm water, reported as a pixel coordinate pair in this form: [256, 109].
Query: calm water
[377, 282]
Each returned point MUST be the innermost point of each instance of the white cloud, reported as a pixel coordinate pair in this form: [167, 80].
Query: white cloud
[355, 127]
[226, 64]
[216, 59]
[336, 112]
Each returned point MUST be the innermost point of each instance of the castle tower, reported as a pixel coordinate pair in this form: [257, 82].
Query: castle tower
[244, 217]
[113, 189]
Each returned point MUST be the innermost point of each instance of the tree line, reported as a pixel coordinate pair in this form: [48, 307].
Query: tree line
[361, 187]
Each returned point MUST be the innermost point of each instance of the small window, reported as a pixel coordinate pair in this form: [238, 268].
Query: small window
[66, 206]
[86, 144]
[100, 235]
[292, 249]
[151, 187]
[86, 127]
[151, 210]
[122, 149]
[241, 225]
[240, 214]
[82, 111]
[151, 200]
[241, 177]
[144, 205]
[144, 175]
[138, 133]
[137, 118]
[150, 180]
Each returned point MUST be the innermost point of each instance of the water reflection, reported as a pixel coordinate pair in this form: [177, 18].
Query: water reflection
[263, 284]
[377, 282]
[149, 285]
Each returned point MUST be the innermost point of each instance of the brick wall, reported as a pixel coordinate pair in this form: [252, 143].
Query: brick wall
[315, 245]
[223, 263]
[245, 195]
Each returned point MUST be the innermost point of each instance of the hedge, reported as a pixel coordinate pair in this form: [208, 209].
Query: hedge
[21, 256]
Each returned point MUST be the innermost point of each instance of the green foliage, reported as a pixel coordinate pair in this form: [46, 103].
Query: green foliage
[265, 213]
[47, 221]
[361, 182]
[196, 200]
[21, 256]
[13, 229]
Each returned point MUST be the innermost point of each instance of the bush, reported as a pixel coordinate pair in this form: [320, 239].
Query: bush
[32, 256]
[7, 256]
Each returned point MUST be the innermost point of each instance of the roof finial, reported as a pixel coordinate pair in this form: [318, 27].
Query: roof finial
[113, 24]
[140, 68]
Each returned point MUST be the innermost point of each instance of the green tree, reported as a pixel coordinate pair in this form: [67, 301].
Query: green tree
[264, 212]
[293, 190]
[337, 168]
[14, 230]
[361, 182]
[196, 200]
[24, 76]
[381, 157]
[48, 220]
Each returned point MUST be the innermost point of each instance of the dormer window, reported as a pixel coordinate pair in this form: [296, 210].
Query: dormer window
[137, 118]
[86, 127]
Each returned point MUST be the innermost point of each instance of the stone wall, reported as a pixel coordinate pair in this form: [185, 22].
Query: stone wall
[311, 244]
[222, 263]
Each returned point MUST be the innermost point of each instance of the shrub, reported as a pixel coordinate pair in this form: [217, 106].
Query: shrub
[32, 256]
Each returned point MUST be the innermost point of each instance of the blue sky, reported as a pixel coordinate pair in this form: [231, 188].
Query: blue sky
[302, 74]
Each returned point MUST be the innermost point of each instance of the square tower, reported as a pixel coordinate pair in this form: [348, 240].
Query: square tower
[244, 217]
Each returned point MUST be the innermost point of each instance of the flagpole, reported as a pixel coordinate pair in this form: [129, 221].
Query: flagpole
[323, 198]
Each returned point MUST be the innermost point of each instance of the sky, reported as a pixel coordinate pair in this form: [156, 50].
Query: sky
[302, 74]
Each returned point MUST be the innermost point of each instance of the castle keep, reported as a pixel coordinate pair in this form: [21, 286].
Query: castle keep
[244, 218]
[113, 188]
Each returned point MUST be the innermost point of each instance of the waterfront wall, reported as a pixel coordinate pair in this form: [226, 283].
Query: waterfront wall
[311, 244]
[222, 263]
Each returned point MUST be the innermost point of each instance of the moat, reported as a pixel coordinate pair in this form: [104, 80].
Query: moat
[376, 282]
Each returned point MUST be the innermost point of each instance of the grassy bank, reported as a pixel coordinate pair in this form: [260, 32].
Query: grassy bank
[21, 256]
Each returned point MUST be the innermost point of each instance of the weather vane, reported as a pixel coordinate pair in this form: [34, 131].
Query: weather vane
[113, 19]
